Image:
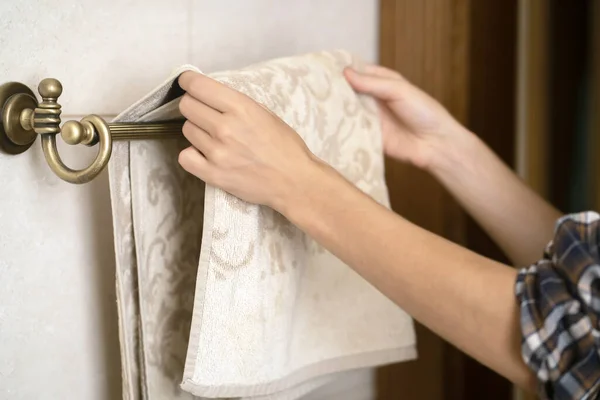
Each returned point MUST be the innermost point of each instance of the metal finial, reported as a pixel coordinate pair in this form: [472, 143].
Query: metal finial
[50, 88]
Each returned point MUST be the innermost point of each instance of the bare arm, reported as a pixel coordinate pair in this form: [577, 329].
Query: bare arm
[465, 298]
[516, 217]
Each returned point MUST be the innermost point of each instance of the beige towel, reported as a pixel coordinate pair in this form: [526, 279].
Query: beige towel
[273, 314]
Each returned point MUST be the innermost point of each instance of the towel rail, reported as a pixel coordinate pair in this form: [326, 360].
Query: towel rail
[23, 118]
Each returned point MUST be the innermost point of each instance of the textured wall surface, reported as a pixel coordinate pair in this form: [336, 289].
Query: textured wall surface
[58, 321]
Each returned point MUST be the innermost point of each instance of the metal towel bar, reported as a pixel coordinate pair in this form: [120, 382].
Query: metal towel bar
[23, 118]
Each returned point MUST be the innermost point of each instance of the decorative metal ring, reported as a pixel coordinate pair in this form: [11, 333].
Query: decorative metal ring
[87, 174]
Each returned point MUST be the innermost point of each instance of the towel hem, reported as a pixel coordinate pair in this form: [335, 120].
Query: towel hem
[200, 291]
[355, 361]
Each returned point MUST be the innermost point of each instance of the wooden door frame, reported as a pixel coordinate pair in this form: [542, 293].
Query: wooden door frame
[463, 52]
[533, 108]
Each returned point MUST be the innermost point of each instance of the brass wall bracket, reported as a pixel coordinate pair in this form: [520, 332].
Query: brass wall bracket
[23, 118]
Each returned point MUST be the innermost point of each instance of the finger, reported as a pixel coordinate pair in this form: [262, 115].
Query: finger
[382, 88]
[210, 92]
[381, 71]
[199, 113]
[196, 164]
[198, 138]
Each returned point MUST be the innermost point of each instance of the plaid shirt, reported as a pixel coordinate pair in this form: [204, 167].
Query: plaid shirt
[559, 299]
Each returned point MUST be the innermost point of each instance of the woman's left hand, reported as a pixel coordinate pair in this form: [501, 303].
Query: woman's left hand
[239, 146]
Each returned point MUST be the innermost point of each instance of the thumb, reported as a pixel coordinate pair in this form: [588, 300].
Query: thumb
[376, 86]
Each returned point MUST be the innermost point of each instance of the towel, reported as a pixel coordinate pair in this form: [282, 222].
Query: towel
[229, 298]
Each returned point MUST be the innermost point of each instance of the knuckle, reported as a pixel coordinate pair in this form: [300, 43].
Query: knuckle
[398, 84]
[393, 73]
[208, 151]
[246, 105]
[218, 155]
[246, 108]
[224, 130]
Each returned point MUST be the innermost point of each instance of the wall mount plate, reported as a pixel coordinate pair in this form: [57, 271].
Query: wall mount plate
[14, 99]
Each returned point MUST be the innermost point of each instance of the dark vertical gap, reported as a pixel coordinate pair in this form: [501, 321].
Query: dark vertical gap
[569, 55]
[492, 94]
[594, 106]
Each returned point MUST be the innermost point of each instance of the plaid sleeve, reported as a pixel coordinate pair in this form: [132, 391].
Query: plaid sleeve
[559, 298]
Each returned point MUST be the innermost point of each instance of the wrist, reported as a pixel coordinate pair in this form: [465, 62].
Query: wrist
[306, 188]
[455, 151]
[297, 187]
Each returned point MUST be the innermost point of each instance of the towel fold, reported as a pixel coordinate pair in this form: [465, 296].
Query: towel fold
[229, 297]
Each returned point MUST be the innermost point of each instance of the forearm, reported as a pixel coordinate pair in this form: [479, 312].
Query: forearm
[518, 219]
[465, 298]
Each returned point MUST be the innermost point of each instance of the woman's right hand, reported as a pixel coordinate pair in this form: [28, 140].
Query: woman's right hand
[416, 128]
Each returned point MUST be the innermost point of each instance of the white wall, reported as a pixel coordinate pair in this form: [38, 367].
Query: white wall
[58, 322]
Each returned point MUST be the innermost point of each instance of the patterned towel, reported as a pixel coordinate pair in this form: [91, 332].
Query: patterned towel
[228, 296]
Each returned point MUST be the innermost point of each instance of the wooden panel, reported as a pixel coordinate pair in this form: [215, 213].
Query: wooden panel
[532, 103]
[463, 53]
[427, 41]
[492, 94]
[533, 135]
